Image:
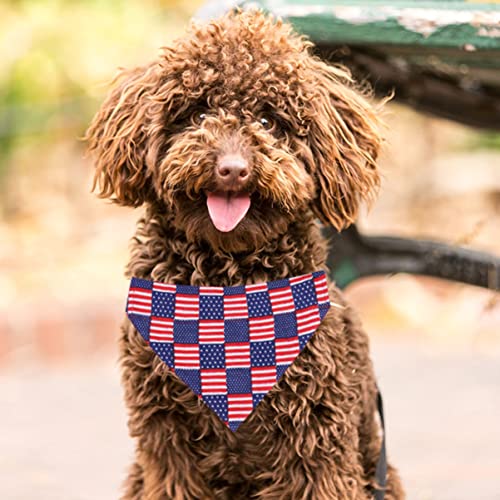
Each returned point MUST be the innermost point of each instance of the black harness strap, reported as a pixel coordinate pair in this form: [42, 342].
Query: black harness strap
[381, 470]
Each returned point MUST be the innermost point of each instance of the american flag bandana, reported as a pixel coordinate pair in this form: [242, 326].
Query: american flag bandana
[230, 345]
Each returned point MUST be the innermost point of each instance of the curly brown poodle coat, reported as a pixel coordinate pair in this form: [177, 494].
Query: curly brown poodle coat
[240, 107]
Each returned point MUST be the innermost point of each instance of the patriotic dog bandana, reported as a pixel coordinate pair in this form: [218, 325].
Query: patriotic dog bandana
[230, 345]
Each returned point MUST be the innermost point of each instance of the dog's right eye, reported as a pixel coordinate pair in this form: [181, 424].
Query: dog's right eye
[266, 123]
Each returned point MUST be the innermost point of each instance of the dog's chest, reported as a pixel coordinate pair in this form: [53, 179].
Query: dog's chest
[230, 345]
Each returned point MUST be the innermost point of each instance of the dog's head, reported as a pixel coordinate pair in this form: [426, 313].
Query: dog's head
[238, 130]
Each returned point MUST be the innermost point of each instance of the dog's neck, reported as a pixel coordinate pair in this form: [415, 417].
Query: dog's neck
[162, 253]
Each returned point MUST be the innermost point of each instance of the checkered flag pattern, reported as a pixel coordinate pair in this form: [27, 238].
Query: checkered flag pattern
[230, 345]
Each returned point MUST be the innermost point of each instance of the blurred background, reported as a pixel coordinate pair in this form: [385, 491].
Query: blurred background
[436, 345]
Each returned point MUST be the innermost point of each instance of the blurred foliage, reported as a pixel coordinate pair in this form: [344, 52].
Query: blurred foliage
[58, 55]
[484, 140]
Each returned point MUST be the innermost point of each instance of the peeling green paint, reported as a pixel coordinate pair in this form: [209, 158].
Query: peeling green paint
[466, 25]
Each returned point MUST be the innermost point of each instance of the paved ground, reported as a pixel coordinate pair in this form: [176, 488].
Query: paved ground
[443, 414]
[63, 434]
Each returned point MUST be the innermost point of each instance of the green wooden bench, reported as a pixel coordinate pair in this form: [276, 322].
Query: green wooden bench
[440, 57]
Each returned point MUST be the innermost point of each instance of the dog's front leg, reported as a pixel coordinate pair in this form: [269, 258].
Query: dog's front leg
[133, 488]
[151, 479]
[306, 451]
[165, 481]
[164, 415]
[318, 477]
[307, 429]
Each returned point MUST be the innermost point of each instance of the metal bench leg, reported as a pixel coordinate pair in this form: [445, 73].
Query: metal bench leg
[353, 256]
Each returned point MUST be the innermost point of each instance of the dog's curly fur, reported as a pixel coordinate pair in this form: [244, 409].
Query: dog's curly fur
[156, 140]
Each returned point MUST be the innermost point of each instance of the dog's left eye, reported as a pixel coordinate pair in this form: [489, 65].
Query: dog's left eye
[198, 117]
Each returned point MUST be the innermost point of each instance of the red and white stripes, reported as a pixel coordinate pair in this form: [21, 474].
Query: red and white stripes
[239, 406]
[161, 330]
[213, 381]
[287, 350]
[308, 320]
[282, 300]
[237, 354]
[263, 378]
[187, 306]
[211, 331]
[187, 356]
[235, 306]
[321, 286]
[139, 301]
[261, 329]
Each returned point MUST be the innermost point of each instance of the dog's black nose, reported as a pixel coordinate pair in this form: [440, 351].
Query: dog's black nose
[232, 171]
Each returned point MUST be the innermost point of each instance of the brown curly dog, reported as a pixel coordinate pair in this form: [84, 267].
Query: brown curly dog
[239, 112]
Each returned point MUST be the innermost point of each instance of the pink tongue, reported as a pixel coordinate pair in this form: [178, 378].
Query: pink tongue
[227, 209]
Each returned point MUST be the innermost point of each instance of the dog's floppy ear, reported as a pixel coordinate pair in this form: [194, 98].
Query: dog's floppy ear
[117, 138]
[344, 138]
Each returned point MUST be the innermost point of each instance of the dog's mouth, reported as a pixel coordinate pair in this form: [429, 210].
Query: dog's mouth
[227, 208]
